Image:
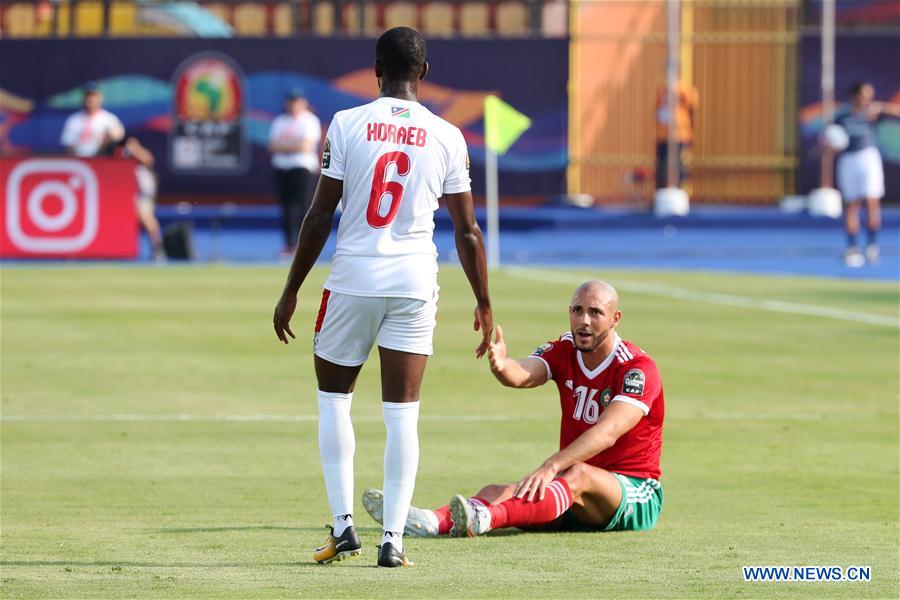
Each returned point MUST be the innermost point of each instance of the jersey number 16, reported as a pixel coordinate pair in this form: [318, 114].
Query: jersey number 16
[381, 188]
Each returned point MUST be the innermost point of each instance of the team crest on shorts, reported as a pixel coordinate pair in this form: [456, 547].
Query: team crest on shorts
[634, 382]
[541, 349]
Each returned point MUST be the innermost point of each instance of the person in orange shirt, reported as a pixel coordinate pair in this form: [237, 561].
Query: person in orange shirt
[686, 102]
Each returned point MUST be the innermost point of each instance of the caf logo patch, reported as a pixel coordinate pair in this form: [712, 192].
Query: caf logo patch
[326, 154]
[468, 162]
[634, 382]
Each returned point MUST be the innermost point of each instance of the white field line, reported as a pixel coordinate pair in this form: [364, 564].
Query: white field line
[174, 418]
[665, 291]
[182, 418]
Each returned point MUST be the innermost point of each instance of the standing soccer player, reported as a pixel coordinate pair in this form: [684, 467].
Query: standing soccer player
[860, 173]
[388, 161]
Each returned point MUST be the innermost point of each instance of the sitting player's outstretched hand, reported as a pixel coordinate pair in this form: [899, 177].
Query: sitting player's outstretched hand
[497, 351]
[533, 485]
[284, 310]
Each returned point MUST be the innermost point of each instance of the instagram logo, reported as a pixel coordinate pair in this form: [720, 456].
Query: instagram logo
[52, 205]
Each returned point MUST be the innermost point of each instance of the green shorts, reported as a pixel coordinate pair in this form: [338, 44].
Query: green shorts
[640, 507]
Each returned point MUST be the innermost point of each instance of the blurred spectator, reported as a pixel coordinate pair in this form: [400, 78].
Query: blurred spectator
[686, 101]
[131, 148]
[294, 144]
[92, 130]
[860, 173]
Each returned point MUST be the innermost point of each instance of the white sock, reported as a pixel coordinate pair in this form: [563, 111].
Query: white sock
[336, 447]
[394, 537]
[341, 523]
[401, 460]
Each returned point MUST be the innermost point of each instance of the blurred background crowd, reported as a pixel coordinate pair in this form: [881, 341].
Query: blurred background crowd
[220, 108]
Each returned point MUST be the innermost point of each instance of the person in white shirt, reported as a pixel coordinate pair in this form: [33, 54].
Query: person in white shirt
[92, 130]
[294, 143]
[387, 162]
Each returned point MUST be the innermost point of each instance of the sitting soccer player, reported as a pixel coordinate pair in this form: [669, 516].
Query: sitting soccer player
[605, 475]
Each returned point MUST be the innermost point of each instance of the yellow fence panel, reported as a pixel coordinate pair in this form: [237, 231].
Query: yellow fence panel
[741, 57]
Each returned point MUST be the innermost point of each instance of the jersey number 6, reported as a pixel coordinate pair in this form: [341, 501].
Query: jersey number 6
[380, 188]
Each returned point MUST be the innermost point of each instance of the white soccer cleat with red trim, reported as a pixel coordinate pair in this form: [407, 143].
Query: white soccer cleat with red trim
[469, 518]
[420, 522]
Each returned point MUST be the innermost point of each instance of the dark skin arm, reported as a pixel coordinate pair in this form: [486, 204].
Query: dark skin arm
[313, 234]
[470, 247]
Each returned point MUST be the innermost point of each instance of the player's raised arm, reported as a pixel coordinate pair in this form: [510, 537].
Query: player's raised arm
[887, 108]
[313, 235]
[470, 247]
[526, 373]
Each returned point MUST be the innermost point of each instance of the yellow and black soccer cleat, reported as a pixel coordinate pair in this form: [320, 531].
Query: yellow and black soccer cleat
[338, 548]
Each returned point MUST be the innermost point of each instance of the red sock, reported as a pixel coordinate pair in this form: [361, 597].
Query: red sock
[518, 512]
[445, 522]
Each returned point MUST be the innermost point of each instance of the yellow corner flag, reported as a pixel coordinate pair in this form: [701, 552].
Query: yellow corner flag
[502, 124]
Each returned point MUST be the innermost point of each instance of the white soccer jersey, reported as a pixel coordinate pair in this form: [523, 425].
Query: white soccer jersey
[86, 134]
[292, 130]
[396, 159]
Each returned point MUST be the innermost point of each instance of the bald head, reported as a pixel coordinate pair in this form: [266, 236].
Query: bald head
[597, 290]
[593, 316]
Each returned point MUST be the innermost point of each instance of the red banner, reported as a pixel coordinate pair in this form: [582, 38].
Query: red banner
[68, 208]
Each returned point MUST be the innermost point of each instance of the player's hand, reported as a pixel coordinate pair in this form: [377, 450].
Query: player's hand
[484, 322]
[284, 310]
[497, 351]
[533, 485]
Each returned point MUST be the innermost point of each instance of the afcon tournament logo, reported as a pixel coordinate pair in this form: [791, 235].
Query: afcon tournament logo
[208, 117]
[208, 88]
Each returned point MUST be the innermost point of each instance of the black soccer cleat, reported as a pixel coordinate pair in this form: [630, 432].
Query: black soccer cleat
[388, 556]
[338, 548]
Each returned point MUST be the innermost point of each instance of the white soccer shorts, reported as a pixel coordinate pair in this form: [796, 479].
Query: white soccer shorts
[860, 174]
[347, 326]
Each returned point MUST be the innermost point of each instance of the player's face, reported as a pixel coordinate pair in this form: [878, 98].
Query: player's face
[865, 96]
[93, 101]
[592, 321]
[296, 106]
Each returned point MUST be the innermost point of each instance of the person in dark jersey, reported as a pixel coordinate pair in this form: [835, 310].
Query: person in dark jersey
[860, 173]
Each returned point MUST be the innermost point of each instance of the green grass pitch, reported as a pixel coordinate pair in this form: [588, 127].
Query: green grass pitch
[781, 439]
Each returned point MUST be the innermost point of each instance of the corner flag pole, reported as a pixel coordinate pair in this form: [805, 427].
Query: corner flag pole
[673, 68]
[827, 165]
[502, 127]
[492, 199]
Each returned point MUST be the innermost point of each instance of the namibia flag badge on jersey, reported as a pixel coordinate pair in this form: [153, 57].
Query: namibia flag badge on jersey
[400, 112]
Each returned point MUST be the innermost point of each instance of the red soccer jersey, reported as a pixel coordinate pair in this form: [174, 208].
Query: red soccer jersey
[629, 375]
